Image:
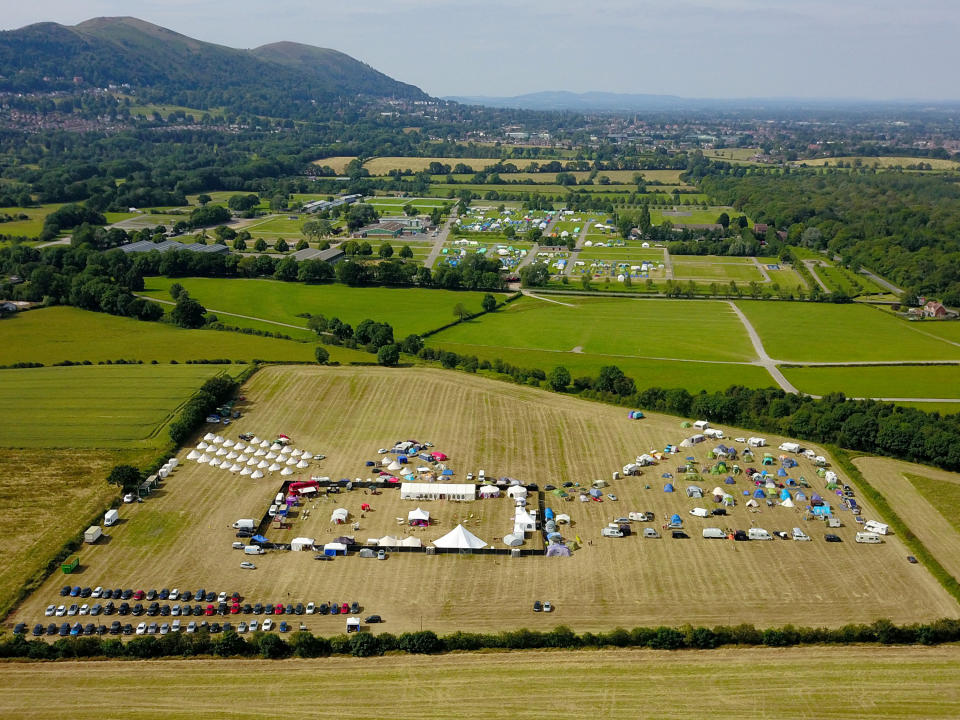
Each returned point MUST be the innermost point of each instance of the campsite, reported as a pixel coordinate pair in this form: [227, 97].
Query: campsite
[186, 527]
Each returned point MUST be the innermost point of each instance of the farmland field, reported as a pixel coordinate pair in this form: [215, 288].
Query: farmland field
[885, 162]
[536, 436]
[30, 227]
[798, 332]
[891, 682]
[911, 490]
[408, 310]
[383, 165]
[906, 381]
[681, 215]
[715, 269]
[691, 330]
[57, 334]
[92, 406]
[337, 163]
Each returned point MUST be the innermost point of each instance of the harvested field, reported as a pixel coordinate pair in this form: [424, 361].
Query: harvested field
[892, 683]
[932, 520]
[383, 165]
[181, 536]
[337, 163]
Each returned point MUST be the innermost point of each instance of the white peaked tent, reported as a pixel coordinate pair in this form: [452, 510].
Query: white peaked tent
[271, 456]
[563, 518]
[460, 538]
[394, 466]
[228, 443]
[302, 464]
[193, 455]
[232, 455]
[386, 460]
[256, 474]
[203, 459]
[245, 471]
[788, 503]
[524, 521]
[297, 453]
[218, 439]
[290, 461]
[307, 455]
[389, 541]
[209, 437]
[339, 515]
[418, 514]
[235, 468]
[264, 443]
[411, 542]
[274, 467]
[406, 471]
[263, 464]
[286, 471]
[276, 446]
[252, 462]
[202, 446]
[752, 503]
[221, 452]
[259, 453]
[285, 450]
[239, 446]
[243, 458]
[214, 463]
[255, 441]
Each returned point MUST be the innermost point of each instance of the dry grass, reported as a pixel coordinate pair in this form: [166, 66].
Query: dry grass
[796, 683]
[884, 162]
[338, 164]
[181, 536]
[927, 522]
[383, 165]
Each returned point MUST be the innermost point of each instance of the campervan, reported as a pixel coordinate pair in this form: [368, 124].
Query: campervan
[613, 532]
[871, 538]
[252, 550]
[700, 512]
[701, 425]
[758, 534]
[799, 534]
[714, 433]
[790, 447]
[244, 524]
[756, 442]
[110, 517]
[714, 533]
[872, 526]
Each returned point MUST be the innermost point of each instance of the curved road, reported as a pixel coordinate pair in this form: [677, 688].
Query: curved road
[764, 360]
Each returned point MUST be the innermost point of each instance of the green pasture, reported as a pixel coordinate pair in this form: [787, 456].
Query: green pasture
[906, 381]
[30, 227]
[709, 268]
[116, 406]
[681, 215]
[683, 329]
[818, 332]
[166, 110]
[627, 253]
[278, 226]
[408, 310]
[58, 334]
[786, 276]
[948, 330]
[950, 408]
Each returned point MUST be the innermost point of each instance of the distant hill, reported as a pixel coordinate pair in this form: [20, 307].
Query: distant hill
[121, 50]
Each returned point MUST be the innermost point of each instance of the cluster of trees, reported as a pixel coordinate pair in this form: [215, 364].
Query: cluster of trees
[904, 226]
[426, 642]
[374, 337]
[213, 393]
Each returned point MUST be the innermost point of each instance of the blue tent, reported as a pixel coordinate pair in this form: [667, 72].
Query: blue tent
[667, 476]
[554, 536]
[259, 539]
[791, 482]
[758, 493]
[800, 496]
[789, 462]
[548, 513]
[821, 510]
[402, 459]
[781, 473]
[595, 493]
[784, 494]
[730, 481]
[816, 500]
[668, 487]
[447, 472]
[676, 521]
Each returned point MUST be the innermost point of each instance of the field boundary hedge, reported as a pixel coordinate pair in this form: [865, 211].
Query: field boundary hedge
[426, 642]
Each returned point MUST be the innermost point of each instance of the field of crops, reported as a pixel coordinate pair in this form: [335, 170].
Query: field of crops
[408, 310]
[348, 413]
[812, 332]
[893, 683]
[58, 334]
[383, 165]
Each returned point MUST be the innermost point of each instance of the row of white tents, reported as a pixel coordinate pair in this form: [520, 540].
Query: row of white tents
[251, 459]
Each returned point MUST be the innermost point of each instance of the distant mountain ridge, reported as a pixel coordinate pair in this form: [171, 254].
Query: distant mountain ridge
[122, 50]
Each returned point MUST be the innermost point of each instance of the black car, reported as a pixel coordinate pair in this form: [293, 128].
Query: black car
[740, 536]
[679, 535]
[101, 629]
[830, 537]
[200, 595]
[37, 629]
[164, 610]
[20, 629]
[719, 511]
[372, 619]
[227, 627]
[323, 609]
[118, 593]
[137, 609]
[154, 609]
[65, 590]
[269, 609]
[86, 592]
[222, 608]
[165, 593]
[52, 629]
[106, 594]
[186, 596]
[300, 610]
[109, 608]
[355, 607]
[244, 534]
[96, 609]
[64, 629]
[215, 627]
[537, 606]
[151, 594]
[89, 629]
[127, 594]
[198, 609]
[115, 627]
[911, 559]
[247, 609]
[186, 610]
[258, 609]
[128, 629]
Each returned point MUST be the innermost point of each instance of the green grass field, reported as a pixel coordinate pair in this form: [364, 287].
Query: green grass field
[815, 332]
[689, 215]
[337, 163]
[950, 408]
[942, 494]
[63, 333]
[30, 227]
[651, 329]
[885, 161]
[715, 269]
[408, 310]
[907, 381]
[116, 406]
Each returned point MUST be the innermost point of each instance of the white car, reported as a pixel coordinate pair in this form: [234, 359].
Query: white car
[128, 498]
[141, 628]
[97, 592]
[246, 565]
[311, 608]
[176, 626]
[51, 609]
[61, 610]
[222, 597]
[192, 627]
[174, 594]
[267, 625]
[175, 611]
[84, 609]
[547, 607]
[253, 626]
[242, 627]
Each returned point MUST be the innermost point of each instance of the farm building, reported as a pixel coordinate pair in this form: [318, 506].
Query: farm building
[330, 255]
[438, 491]
[935, 310]
[168, 245]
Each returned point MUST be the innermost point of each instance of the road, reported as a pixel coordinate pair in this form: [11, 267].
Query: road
[881, 282]
[762, 268]
[441, 238]
[764, 360]
[811, 266]
[529, 257]
[224, 312]
[581, 239]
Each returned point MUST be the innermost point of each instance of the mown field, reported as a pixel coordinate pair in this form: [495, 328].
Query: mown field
[713, 269]
[894, 683]
[797, 332]
[653, 329]
[337, 163]
[30, 227]
[925, 498]
[94, 406]
[885, 161]
[383, 165]
[408, 310]
[903, 381]
[58, 334]
[536, 436]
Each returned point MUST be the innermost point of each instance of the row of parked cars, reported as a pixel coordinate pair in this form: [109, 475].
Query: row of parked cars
[78, 629]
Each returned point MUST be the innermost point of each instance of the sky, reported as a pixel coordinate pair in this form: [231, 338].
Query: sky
[852, 49]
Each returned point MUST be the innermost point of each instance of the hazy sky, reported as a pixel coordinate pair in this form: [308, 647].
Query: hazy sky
[694, 48]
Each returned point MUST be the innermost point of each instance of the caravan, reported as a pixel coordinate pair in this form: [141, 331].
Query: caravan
[872, 526]
[758, 534]
[871, 538]
[790, 447]
[714, 533]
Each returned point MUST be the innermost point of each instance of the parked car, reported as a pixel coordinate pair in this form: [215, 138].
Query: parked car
[547, 607]
[267, 625]
[323, 609]
[115, 627]
[344, 609]
[830, 537]
[311, 608]
[284, 627]
[73, 609]
[128, 629]
[373, 619]
[141, 628]
[65, 590]
[210, 610]
[174, 594]
[175, 626]
[650, 533]
[51, 609]
[253, 625]
[248, 565]
[97, 592]
[186, 596]
[911, 559]
[679, 535]
[152, 629]
[537, 606]
[21, 629]
[151, 594]
[192, 626]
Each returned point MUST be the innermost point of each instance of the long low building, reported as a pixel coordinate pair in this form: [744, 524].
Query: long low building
[169, 245]
[438, 491]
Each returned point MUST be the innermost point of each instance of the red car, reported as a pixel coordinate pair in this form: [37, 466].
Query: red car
[344, 609]
[234, 609]
[210, 610]
[139, 595]
[278, 610]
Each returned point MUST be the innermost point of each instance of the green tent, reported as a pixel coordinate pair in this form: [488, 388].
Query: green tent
[685, 424]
